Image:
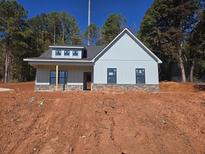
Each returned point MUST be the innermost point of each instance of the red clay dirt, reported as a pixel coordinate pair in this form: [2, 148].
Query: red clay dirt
[171, 121]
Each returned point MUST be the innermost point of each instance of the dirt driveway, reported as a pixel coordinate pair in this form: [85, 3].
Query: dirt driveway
[172, 121]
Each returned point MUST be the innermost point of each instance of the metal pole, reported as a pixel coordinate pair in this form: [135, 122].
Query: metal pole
[89, 22]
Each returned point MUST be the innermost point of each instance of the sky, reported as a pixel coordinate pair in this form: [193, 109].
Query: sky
[132, 10]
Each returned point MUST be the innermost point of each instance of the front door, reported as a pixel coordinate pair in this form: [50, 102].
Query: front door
[140, 76]
[111, 75]
[87, 80]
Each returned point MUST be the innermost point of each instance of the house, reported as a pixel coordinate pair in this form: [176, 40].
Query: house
[124, 63]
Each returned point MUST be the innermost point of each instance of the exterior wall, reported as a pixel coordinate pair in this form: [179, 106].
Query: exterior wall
[75, 78]
[126, 55]
[42, 77]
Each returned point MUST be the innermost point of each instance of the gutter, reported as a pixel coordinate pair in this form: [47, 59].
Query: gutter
[55, 60]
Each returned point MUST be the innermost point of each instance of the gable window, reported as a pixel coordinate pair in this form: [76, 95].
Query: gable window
[66, 53]
[75, 53]
[140, 76]
[112, 75]
[62, 77]
[58, 52]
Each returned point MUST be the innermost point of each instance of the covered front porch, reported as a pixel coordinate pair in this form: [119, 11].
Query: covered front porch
[58, 77]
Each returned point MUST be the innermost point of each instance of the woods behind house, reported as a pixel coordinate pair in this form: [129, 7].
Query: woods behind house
[173, 30]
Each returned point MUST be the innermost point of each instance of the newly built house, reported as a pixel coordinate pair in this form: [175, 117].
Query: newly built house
[124, 63]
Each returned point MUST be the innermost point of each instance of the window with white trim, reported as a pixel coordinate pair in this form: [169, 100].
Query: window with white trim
[58, 52]
[75, 53]
[66, 53]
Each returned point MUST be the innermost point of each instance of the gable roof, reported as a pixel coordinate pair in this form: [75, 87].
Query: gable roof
[127, 31]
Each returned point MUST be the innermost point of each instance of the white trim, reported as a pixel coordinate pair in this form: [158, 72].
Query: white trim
[74, 84]
[55, 60]
[42, 84]
[158, 60]
[66, 47]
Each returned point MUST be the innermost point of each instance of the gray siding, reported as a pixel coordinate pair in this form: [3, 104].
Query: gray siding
[75, 78]
[42, 77]
[75, 74]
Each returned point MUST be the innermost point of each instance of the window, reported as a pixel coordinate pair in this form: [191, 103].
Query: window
[140, 76]
[111, 75]
[75, 53]
[58, 52]
[66, 53]
[62, 77]
[52, 77]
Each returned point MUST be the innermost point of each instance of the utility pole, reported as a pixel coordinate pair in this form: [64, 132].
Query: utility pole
[88, 22]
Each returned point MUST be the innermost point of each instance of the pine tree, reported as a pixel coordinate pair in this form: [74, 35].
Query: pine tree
[93, 32]
[166, 27]
[12, 26]
[111, 28]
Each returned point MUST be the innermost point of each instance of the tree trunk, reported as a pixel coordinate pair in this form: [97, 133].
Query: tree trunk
[191, 75]
[6, 68]
[63, 38]
[54, 35]
[181, 65]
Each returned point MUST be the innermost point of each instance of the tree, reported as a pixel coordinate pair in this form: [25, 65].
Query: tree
[55, 28]
[197, 45]
[166, 28]
[12, 25]
[112, 27]
[92, 34]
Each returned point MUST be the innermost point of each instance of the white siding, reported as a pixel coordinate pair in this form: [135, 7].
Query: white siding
[126, 55]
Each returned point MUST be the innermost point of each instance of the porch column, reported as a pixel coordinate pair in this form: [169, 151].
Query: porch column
[56, 77]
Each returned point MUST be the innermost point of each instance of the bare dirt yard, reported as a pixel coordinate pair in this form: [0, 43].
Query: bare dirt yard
[169, 122]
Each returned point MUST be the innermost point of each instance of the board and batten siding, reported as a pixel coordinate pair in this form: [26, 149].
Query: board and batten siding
[126, 55]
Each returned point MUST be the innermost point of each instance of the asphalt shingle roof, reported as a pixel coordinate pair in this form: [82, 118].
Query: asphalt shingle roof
[92, 51]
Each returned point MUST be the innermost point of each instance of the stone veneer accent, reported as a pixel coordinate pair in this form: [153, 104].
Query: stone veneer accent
[73, 87]
[60, 87]
[98, 87]
[146, 87]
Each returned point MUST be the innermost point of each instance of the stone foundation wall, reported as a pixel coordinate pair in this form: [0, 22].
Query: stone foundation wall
[73, 87]
[149, 88]
[60, 88]
[98, 87]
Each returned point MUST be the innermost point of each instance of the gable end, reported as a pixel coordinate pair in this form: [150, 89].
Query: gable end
[126, 31]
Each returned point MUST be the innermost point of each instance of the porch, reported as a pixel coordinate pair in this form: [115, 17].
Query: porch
[63, 77]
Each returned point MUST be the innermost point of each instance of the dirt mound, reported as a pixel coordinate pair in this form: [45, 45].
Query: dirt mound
[177, 87]
[18, 87]
[88, 122]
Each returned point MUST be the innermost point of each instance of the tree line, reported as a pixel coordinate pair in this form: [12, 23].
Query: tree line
[172, 29]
